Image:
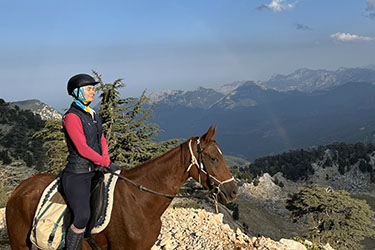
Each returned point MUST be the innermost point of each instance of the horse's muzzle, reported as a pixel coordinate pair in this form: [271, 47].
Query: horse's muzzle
[228, 192]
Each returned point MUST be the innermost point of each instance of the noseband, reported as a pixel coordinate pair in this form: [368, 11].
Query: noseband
[202, 168]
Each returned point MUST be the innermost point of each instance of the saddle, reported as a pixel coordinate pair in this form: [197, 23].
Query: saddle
[97, 198]
[52, 217]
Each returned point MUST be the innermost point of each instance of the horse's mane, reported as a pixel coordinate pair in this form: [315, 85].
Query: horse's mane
[155, 163]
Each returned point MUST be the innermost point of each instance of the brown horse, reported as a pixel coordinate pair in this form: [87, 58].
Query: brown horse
[135, 223]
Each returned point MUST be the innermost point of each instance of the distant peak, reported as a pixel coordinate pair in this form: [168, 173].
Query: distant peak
[28, 101]
[256, 84]
[342, 69]
[45, 111]
[311, 80]
[302, 70]
[229, 87]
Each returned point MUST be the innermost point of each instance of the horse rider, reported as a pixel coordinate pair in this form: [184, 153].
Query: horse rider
[87, 150]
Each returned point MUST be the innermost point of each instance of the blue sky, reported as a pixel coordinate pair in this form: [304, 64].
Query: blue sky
[175, 44]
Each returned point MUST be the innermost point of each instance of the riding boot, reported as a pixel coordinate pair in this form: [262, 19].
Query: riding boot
[73, 239]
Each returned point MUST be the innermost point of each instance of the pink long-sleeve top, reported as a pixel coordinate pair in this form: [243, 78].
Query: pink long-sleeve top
[73, 126]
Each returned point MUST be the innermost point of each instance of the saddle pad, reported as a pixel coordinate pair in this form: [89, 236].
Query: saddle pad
[110, 184]
[48, 193]
[105, 217]
[48, 230]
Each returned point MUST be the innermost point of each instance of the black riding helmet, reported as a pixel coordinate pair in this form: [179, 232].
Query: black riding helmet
[78, 81]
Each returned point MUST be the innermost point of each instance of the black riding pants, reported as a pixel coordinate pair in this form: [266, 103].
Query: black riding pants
[77, 191]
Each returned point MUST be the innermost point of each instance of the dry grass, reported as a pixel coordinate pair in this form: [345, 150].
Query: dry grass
[5, 190]
[10, 177]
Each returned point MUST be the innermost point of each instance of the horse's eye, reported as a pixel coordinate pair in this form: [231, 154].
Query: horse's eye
[214, 159]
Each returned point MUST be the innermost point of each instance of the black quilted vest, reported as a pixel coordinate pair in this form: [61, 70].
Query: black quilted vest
[92, 129]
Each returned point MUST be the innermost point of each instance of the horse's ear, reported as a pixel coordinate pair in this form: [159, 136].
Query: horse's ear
[214, 131]
[209, 134]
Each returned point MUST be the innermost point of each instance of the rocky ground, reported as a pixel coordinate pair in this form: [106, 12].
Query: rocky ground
[2, 218]
[185, 229]
[188, 228]
[271, 196]
[3, 234]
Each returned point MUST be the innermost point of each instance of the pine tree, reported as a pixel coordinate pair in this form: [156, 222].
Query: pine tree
[333, 216]
[128, 133]
[54, 142]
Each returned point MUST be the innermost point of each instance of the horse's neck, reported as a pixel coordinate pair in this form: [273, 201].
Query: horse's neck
[165, 174]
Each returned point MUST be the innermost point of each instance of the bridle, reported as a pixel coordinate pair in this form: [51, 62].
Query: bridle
[214, 190]
[202, 168]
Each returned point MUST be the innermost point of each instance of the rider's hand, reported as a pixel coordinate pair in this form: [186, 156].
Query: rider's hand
[113, 167]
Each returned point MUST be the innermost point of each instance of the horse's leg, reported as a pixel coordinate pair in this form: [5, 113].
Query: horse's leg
[153, 234]
[132, 232]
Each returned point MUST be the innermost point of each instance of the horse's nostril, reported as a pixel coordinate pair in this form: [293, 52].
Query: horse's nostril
[233, 194]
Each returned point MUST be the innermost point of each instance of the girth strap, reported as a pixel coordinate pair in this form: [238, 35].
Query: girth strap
[92, 243]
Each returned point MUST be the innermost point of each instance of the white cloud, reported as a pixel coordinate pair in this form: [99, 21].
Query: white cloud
[278, 5]
[370, 5]
[347, 37]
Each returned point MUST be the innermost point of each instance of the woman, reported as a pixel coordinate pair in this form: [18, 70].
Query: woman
[87, 150]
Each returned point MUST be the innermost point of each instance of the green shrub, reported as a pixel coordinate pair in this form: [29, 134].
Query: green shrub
[333, 216]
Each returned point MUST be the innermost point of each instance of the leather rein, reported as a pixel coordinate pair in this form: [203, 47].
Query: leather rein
[214, 189]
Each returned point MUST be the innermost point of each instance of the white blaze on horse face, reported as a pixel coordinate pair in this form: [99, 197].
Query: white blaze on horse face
[218, 149]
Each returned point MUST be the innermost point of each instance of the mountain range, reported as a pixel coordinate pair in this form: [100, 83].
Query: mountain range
[303, 109]
[251, 93]
[307, 80]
